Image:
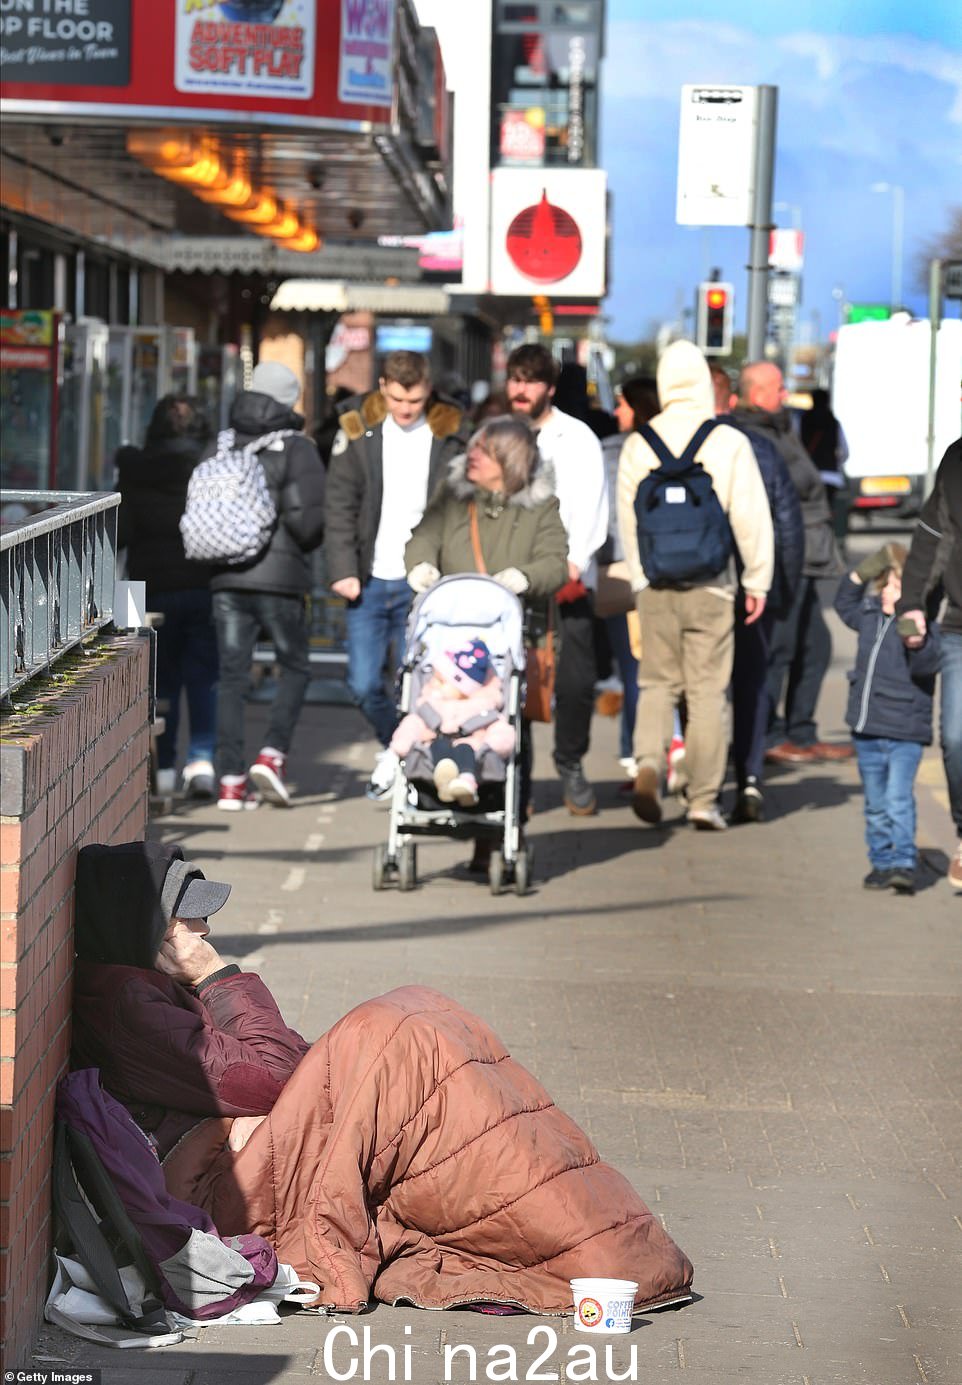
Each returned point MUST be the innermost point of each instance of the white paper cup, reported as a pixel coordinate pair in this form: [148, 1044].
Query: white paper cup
[603, 1305]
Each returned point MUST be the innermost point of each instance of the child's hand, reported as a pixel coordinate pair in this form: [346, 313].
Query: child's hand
[875, 564]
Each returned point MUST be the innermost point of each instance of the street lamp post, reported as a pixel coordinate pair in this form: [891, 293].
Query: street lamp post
[898, 233]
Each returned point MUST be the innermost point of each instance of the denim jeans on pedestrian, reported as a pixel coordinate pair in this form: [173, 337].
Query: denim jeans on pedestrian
[186, 662]
[239, 618]
[800, 653]
[888, 769]
[375, 644]
[620, 642]
[951, 720]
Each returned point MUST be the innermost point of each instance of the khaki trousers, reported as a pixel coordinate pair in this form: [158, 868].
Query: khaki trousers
[687, 639]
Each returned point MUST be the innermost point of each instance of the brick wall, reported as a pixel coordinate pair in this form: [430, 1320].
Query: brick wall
[73, 770]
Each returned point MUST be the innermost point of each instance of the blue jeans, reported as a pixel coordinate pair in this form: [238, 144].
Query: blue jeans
[951, 712]
[239, 617]
[888, 769]
[620, 642]
[186, 661]
[376, 623]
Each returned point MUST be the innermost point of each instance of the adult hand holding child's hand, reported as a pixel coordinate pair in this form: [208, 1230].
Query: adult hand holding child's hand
[186, 956]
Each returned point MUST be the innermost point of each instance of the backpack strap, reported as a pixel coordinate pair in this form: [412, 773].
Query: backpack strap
[669, 462]
[73, 1151]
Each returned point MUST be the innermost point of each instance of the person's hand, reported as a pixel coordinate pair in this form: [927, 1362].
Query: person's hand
[915, 641]
[875, 564]
[754, 608]
[512, 578]
[574, 572]
[242, 1129]
[185, 956]
[422, 576]
[572, 590]
[348, 587]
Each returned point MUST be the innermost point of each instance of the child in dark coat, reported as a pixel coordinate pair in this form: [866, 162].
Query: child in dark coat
[890, 713]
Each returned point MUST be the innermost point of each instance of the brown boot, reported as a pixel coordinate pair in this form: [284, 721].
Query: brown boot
[645, 803]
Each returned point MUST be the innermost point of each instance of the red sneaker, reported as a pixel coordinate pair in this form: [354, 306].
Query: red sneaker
[234, 795]
[267, 773]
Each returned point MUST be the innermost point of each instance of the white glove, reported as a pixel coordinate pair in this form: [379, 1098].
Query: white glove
[512, 578]
[422, 576]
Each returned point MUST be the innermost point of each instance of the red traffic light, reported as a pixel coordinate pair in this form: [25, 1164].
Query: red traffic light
[716, 298]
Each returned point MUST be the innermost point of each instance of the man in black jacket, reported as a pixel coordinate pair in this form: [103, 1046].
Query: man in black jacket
[751, 700]
[268, 593]
[934, 567]
[390, 453]
[801, 646]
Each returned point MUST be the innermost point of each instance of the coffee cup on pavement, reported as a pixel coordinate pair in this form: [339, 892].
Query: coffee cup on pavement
[603, 1305]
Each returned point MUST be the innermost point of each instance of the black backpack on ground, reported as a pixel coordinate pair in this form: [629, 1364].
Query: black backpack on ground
[684, 537]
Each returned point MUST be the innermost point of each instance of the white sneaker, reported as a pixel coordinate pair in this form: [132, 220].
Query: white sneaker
[199, 780]
[385, 771]
[165, 782]
[630, 766]
[707, 820]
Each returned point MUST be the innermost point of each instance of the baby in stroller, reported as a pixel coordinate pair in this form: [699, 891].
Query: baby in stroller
[457, 725]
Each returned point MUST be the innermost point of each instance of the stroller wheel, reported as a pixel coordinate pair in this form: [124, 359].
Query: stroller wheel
[407, 866]
[379, 867]
[523, 870]
[496, 872]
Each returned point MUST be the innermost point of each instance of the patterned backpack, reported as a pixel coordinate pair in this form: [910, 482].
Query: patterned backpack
[230, 514]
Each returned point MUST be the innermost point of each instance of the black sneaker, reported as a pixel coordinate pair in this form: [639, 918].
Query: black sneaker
[578, 794]
[901, 880]
[750, 804]
[877, 880]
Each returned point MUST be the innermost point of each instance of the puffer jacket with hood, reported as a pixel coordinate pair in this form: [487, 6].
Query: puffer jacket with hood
[296, 479]
[822, 557]
[153, 484]
[523, 530]
[170, 1053]
[687, 401]
[356, 489]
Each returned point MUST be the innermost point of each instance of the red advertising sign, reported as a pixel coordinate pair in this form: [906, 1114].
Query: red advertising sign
[270, 61]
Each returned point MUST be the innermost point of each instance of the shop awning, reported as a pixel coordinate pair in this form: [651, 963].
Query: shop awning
[331, 295]
[253, 255]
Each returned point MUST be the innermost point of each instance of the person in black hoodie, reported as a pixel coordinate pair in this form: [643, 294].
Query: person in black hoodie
[934, 568]
[269, 593]
[152, 481]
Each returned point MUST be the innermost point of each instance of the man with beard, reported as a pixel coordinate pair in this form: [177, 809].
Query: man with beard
[575, 453]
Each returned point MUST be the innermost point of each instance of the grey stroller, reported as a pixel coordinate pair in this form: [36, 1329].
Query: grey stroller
[455, 609]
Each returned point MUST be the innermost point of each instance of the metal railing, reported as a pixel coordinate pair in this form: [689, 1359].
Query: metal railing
[58, 554]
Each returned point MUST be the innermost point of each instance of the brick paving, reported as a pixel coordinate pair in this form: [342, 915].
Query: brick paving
[770, 1054]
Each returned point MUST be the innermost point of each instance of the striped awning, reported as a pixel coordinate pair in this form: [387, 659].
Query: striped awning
[334, 295]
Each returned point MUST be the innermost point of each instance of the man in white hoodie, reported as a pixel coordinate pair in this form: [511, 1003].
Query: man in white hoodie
[687, 629]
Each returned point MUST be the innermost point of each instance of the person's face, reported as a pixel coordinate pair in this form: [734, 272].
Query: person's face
[769, 390]
[482, 470]
[624, 413]
[531, 399]
[891, 592]
[404, 405]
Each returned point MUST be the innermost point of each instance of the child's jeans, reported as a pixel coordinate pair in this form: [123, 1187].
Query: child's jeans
[888, 769]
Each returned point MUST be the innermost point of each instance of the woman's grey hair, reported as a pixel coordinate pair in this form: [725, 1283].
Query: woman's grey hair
[513, 445]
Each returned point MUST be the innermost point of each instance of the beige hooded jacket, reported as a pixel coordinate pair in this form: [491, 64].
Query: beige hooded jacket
[685, 392]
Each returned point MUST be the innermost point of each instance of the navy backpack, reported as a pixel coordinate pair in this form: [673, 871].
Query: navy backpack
[684, 537]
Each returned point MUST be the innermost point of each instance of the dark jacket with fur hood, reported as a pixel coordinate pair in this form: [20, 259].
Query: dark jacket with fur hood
[355, 481]
[523, 530]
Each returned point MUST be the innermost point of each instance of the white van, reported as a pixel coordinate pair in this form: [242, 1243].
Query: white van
[880, 396]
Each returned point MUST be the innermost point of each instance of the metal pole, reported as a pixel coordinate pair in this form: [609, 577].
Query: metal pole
[935, 318]
[761, 224]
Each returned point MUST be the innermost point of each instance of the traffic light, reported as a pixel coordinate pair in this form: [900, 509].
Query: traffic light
[713, 318]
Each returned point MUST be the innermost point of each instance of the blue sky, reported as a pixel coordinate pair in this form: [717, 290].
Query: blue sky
[868, 92]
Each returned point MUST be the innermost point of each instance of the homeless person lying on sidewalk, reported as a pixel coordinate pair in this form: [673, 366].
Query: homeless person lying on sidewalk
[404, 1156]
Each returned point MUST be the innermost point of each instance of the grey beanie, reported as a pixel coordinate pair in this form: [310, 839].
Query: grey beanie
[277, 381]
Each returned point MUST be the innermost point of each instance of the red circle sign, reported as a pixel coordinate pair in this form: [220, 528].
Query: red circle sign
[544, 242]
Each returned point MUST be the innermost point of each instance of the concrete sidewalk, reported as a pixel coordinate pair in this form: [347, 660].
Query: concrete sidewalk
[769, 1053]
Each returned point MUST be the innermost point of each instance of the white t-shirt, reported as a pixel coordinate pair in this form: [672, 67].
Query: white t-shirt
[580, 485]
[406, 463]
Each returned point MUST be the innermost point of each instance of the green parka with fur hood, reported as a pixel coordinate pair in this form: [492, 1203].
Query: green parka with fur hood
[523, 530]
